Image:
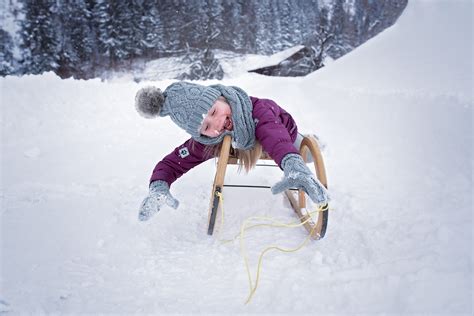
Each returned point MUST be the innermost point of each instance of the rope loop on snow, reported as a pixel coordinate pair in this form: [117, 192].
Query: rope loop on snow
[274, 223]
[253, 288]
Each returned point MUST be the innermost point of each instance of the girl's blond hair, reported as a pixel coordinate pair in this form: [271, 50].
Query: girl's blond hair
[247, 159]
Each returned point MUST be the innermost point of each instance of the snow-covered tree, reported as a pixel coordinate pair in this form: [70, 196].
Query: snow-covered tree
[7, 62]
[77, 40]
[40, 40]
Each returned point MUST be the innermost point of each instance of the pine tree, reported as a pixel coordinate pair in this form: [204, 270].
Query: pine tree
[40, 40]
[124, 25]
[7, 62]
[103, 22]
[150, 29]
[78, 40]
[290, 33]
[172, 15]
[266, 32]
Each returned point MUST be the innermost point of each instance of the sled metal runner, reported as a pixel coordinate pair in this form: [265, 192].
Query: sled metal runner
[316, 224]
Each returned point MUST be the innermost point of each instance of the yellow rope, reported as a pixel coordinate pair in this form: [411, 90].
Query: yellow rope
[260, 259]
[276, 223]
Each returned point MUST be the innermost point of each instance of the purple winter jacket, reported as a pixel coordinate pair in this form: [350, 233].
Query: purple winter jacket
[275, 129]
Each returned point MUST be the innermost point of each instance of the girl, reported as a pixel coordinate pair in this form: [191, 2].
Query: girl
[210, 113]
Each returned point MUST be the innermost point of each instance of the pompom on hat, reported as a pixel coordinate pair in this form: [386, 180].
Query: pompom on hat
[149, 101]
[188, 103]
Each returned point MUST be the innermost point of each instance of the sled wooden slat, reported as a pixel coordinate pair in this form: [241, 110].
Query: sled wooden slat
[218, 182]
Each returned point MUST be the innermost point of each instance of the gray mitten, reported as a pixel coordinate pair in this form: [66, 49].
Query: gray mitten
[298, 175]
[159, 195]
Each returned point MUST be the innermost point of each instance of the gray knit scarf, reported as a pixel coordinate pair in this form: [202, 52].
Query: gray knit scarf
[243, 133]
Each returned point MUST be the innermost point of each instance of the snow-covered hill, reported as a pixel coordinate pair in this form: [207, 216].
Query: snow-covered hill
[396, 118]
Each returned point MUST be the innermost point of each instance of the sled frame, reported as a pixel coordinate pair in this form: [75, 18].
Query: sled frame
[316, 225]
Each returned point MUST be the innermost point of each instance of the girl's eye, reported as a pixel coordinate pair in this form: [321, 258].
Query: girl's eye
[213, 112]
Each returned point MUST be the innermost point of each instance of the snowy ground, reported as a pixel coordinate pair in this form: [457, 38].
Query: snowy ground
[396, 118]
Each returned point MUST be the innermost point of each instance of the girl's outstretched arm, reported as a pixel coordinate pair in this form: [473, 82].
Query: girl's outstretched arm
[182, 159]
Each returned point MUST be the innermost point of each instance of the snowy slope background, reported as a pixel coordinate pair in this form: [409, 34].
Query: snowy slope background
[396, 118]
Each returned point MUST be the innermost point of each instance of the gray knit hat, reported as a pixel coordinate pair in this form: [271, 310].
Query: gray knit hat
[188, 103]
[184, 102]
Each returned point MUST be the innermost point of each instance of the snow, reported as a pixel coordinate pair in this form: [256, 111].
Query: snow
[395, 116]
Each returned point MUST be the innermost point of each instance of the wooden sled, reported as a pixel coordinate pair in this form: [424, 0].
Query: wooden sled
[315, 225]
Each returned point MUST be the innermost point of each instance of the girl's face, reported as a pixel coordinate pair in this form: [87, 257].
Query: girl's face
[218, 119]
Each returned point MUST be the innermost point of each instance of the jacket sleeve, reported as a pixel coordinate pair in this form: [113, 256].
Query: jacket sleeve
[271, 132]
[182, 159]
